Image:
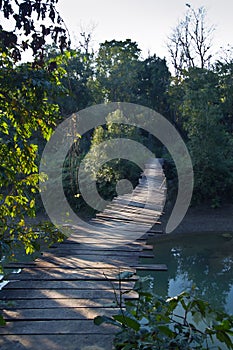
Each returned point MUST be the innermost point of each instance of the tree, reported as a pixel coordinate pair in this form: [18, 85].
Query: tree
[153, 83]
[111, 171]
[118, 74]
[225, 72]
[26, 117]
[117, 70]
[190, 42]
[209, 143]
[121, 75]
[33, 23]
[78, 71]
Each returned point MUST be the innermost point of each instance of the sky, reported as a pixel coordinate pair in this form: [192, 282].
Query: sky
[148, 22]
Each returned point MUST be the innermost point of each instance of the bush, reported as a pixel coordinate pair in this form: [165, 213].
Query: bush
[180, 323]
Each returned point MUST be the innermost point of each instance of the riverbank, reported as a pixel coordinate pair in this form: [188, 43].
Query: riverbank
[203, 218]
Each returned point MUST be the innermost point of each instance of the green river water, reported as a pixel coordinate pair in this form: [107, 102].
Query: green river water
[204, 260]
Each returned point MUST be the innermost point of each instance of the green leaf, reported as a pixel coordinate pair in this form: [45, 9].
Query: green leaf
[127, 321]
[32, 203]
[202, 306]
[167, 331]
[127, 347]
[2, 321]
[224, 338]
[98, 320]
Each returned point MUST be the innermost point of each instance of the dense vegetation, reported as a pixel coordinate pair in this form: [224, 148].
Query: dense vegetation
[183, 322]
[196, 97]
[28, 116]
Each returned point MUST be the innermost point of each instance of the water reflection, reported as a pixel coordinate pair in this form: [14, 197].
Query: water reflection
[205, 260]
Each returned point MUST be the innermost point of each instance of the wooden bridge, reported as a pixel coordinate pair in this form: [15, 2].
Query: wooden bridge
[52, 302]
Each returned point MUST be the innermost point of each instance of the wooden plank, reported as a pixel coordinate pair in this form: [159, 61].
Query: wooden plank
[135, 217]
[69, 275]
[135, 201]
[155, 206]
[125, 210]
[60, 303]
[64, 313]
[71, 262]
[130, 210]
[61, 253]
[55, 327]
[75, 252]
[56, 342]
[145, 196]
[29, 294]
[105, 243]
[151, 267]
[88, 260]
[85, 244]
[109, 222]
[148, 247]
[72, 242]
[109, 230]
[80, 284]
[105, 253]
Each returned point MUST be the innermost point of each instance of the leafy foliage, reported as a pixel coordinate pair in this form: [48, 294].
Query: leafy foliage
[116, 71]
[121, 75]
[26, 118]
[79, 72]
[100, 78]
[182, 322]
[107, 176]
[153, 82]
[30, 18]
[200, 111]
[200, 99]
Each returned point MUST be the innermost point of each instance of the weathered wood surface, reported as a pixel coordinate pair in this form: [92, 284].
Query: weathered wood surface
[51, 304]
